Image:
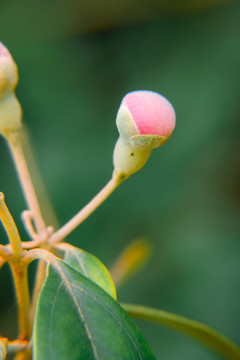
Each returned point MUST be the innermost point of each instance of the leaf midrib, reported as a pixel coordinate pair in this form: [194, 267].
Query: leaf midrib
[67, 284]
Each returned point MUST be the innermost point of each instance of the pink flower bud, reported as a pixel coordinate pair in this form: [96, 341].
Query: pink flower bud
[145, 121]
[152, 113]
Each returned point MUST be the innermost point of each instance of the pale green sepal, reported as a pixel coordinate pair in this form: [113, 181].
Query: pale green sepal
[127, 158]
[91, 267]
[10, 114]
[152, 141]
[125, 123]
[8, 76]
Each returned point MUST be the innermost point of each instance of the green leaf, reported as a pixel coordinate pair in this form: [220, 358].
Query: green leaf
[3, 349]
[91, 267]
[195, 329]
[77, 320]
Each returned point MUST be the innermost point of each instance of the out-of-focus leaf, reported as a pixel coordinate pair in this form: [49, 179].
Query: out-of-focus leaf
[195, 329]
[69, 17]
[131, 260]
[76, 319]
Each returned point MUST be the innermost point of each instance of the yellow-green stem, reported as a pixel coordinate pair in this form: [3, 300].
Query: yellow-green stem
[18, 268]
[19, 271]
[32, 202]
[10, 227]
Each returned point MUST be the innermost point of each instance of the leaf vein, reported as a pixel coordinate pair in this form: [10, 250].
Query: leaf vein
[67, 284]
[112, 315]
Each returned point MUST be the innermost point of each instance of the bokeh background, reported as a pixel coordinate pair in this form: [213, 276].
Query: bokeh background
[76, 61]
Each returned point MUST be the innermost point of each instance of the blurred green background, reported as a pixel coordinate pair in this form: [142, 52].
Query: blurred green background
[76, 61]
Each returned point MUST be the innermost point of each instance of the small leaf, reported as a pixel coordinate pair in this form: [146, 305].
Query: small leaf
[3, 349]
[91, 267]
[76, 319]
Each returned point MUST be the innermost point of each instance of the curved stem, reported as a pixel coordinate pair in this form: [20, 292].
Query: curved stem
[19, 270]
[38, 254]
[10, 227]
[31, 199]
[44, 258]
[197, 330]
[25, 179]
[85, 212]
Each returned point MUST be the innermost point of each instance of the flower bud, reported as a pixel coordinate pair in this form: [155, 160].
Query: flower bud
[10, 110]
[145, 120]
[8, 72]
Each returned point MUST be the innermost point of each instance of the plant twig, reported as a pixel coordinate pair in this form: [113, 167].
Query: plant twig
[25, 180]
[33, 205]
[10, 227]
[19, 269]
[39, 254]
[37, 239]
[22, 292]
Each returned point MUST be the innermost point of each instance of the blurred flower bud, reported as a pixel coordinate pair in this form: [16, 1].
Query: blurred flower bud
[145, 120]
[10, 110]
[8, 72]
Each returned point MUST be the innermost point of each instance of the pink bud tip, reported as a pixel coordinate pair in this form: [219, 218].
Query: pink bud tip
[4, 51]
[152, 113]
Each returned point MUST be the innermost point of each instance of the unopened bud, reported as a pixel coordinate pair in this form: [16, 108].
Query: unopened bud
[8, 72]
[10, 110]
[145, 120]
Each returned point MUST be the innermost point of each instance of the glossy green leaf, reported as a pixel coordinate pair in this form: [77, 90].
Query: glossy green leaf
[201, 332]
[3, 349]
[76, 319]
[91, 267]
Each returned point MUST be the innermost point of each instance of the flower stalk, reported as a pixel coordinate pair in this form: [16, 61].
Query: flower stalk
[25, 180]
[85, 212]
